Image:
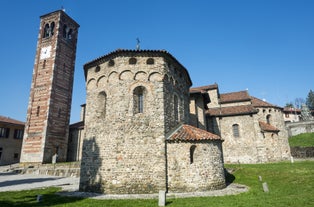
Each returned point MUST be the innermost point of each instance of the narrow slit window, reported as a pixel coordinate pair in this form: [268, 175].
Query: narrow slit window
[235, 129]
[138, 96]
[192, 151]
[176, 108]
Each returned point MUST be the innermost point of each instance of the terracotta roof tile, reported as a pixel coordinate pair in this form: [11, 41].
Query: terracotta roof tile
[232, 111]
[260, 103]
[267, 127]
[234, 97]
[203, 89]
[9, 120]
[189, 133]
[291, 110]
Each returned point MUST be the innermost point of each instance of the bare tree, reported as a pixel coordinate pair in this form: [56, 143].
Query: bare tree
[298, 102]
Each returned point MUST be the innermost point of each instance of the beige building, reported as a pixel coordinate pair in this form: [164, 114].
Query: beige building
[291, 114]
[11, 138]
[253, 130]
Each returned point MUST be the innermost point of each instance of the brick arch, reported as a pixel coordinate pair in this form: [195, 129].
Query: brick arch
[155, 76]
[126, 75]
[141, 75]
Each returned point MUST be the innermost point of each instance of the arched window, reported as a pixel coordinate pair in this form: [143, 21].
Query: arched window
[97, 69]
[192, 150]
[67, 32]
[64, 31]
[138, 99]
[49, 30]
[70, 34]
[176, 108]
[101, 104]
[46, 31]
[150, 61]
[235, 130]
[52, 27]
[111, 63]
[268, 119]
[132, 61]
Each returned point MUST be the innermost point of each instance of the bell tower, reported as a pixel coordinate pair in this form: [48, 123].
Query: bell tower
[49, 107]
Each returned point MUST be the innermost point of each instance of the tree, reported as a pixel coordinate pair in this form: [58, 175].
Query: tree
[298, 102]
[289, 105]
[310, 100]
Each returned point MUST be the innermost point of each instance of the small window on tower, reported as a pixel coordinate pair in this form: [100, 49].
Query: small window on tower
[64, 31]
[59, 112]
[52, 27]
[44, 64]
[46, 31]
[38, 110]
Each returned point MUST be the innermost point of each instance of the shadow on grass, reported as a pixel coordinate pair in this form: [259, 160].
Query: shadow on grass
[29, 198]
[230, 178]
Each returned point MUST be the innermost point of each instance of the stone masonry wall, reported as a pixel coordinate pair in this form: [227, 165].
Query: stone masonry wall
[198, 169]
[253, 146]
[295, 128]
[124, 151]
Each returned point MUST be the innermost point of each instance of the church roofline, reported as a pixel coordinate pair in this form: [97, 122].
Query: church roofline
[234, 97]
[231, 111]
[256, 102]
[121, 52]
[203, 89]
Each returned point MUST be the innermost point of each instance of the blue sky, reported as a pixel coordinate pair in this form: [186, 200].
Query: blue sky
[265, 46]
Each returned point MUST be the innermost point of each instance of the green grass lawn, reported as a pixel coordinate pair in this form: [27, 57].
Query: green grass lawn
[302, 140]
[289, 185]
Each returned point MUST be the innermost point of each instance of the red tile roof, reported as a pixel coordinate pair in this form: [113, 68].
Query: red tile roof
[189, 133]
[203, 89]
[292, 110]
[267, 127]
[8, 120]
[235, 97]
[260, 103]
[232, 111]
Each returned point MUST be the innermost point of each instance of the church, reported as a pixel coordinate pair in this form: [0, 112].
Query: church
[137, 133]
[143, 128]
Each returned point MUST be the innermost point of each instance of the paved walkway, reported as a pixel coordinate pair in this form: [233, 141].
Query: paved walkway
[14, 182]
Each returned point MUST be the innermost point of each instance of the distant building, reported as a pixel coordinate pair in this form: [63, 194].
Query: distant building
[291, 114]
[253, 130]
[11, 138]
